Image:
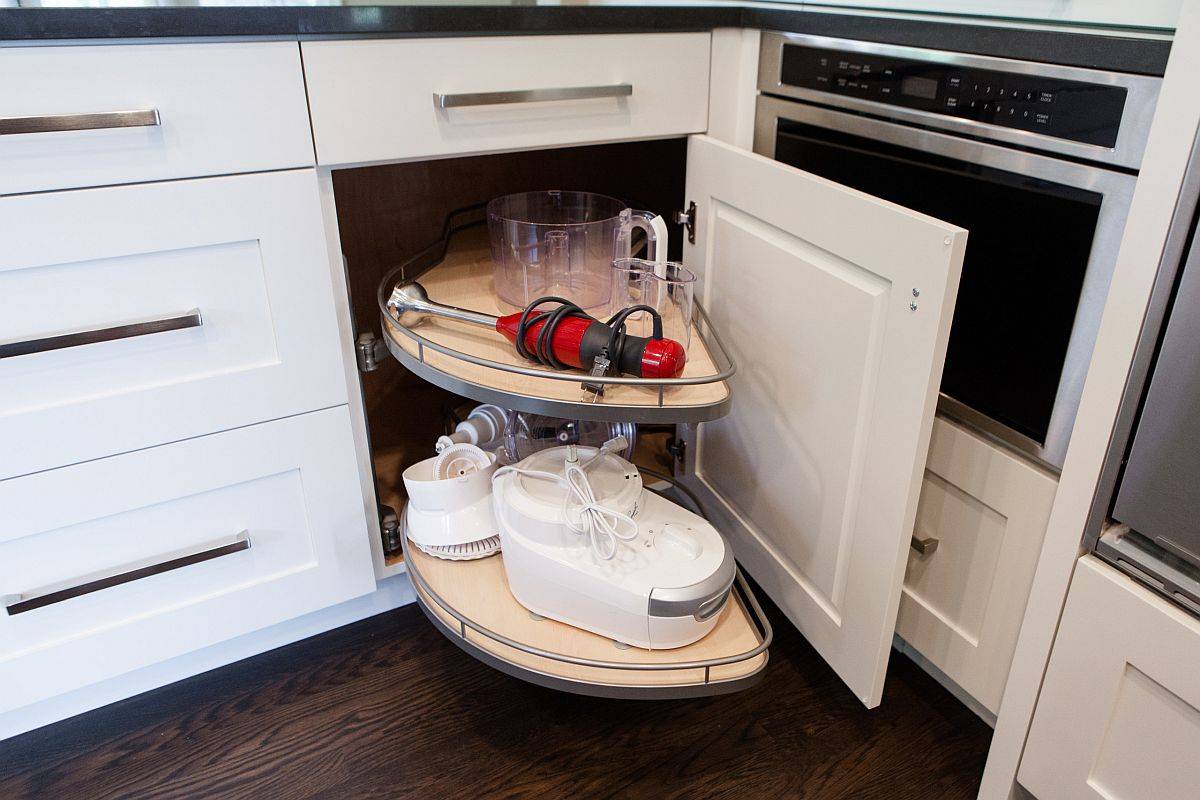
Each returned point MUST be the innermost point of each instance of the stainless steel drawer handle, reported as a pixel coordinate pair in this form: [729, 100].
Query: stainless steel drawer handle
[52, 123]
[48, 595]
[530, 95]
[190, 319]
[926, 547]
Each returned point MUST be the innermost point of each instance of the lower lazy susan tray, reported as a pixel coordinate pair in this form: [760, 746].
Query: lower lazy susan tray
[470, 603]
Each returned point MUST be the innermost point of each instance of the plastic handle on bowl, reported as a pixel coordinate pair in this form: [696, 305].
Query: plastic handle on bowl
[656, 237]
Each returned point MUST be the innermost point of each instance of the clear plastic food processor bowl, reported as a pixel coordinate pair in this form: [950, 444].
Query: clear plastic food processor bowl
[561, 243]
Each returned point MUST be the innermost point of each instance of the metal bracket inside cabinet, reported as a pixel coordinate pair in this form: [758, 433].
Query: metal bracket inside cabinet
[688, 220]
[370, 351]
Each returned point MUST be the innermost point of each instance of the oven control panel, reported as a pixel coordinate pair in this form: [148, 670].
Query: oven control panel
[1073, 110]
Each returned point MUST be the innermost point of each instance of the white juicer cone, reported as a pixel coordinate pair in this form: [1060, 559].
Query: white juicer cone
[451, 517]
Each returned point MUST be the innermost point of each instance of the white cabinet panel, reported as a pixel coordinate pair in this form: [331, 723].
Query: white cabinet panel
[374, 100]
[247, 251]
[290, 485]
[1118, 717]
[837, 307]
[223, 108]
[963, 603]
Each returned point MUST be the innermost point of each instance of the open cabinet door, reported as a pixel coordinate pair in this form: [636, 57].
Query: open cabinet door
[836, 306]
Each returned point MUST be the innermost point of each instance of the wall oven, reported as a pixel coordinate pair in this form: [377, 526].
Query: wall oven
[1036, 161]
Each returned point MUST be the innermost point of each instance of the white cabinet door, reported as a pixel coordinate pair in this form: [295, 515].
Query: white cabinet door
[222, 108]
[247, 252]
[1118, 717]
[389, 99]
[94, 578]
[836, 306]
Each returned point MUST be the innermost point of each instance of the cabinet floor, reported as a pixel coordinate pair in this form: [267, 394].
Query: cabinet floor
[389, 708]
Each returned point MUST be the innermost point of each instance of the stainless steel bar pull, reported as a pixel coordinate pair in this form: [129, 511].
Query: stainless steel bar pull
[51, 123]
[190, 319]
[530, 95]
[28, 601]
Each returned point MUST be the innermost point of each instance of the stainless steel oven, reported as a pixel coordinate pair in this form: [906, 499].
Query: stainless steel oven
[1038, 162]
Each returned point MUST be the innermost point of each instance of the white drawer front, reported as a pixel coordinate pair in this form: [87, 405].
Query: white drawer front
[223, 108]
[963, 603]
[1118, 716]
[387, 88]
[247, 252]
[291, 485]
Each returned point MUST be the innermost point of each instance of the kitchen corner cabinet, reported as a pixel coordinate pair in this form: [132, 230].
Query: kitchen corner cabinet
[836, 305]
[1118, 717]
[980, 522]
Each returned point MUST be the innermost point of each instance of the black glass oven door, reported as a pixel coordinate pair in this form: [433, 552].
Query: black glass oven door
[1027, 254]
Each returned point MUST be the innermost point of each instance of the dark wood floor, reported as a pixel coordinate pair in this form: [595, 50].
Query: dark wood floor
[387, 708]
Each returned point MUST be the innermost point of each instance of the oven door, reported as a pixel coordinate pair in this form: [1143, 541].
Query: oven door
[1043, 242]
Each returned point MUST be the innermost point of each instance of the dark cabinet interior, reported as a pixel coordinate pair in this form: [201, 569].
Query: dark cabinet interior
[389, 213]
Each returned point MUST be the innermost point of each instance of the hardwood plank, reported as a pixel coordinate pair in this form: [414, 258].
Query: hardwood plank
[389, 708]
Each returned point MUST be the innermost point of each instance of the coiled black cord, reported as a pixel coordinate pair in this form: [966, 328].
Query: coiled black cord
[543, 351]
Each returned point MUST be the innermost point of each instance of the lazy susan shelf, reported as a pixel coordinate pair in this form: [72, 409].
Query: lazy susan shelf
[477, 363]
[470, 603]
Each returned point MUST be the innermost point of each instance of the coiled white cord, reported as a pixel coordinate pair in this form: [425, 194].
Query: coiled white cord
[604, 527]
[586, 516]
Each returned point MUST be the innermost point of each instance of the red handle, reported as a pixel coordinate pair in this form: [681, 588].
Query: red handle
[572, 343]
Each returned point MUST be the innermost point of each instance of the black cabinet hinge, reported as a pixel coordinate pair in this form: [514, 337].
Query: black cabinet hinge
[688, 220]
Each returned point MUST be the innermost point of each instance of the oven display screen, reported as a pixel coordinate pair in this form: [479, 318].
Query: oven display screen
[919, 87]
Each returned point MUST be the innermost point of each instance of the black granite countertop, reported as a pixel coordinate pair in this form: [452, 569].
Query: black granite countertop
[1125, 53]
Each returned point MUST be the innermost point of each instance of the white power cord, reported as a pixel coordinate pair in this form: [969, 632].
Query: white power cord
[604, 527]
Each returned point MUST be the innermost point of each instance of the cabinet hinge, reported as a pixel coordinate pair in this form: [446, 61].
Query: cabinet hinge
[688, 220]
[677, 448]
[370, 351]
[389, 530]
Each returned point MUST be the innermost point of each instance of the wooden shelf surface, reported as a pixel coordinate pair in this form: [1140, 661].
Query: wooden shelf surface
[479, 591]
[464, 279]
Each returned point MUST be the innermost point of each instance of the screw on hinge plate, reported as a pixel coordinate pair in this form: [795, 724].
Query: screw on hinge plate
[688, 220]
[370, 351]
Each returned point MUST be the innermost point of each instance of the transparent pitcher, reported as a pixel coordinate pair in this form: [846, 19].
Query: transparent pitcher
[563, 243]
[665, 286]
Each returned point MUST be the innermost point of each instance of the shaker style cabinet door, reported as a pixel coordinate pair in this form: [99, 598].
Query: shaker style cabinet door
[131, 316]
[836, 306]
[1118, 717]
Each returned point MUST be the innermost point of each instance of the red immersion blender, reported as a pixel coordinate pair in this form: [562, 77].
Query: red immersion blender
[561, 335]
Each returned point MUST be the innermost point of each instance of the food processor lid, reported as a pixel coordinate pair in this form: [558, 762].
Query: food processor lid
[614, 480]
[701, 599]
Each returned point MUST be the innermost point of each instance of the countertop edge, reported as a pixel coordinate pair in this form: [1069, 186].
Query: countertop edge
[1117, 52]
